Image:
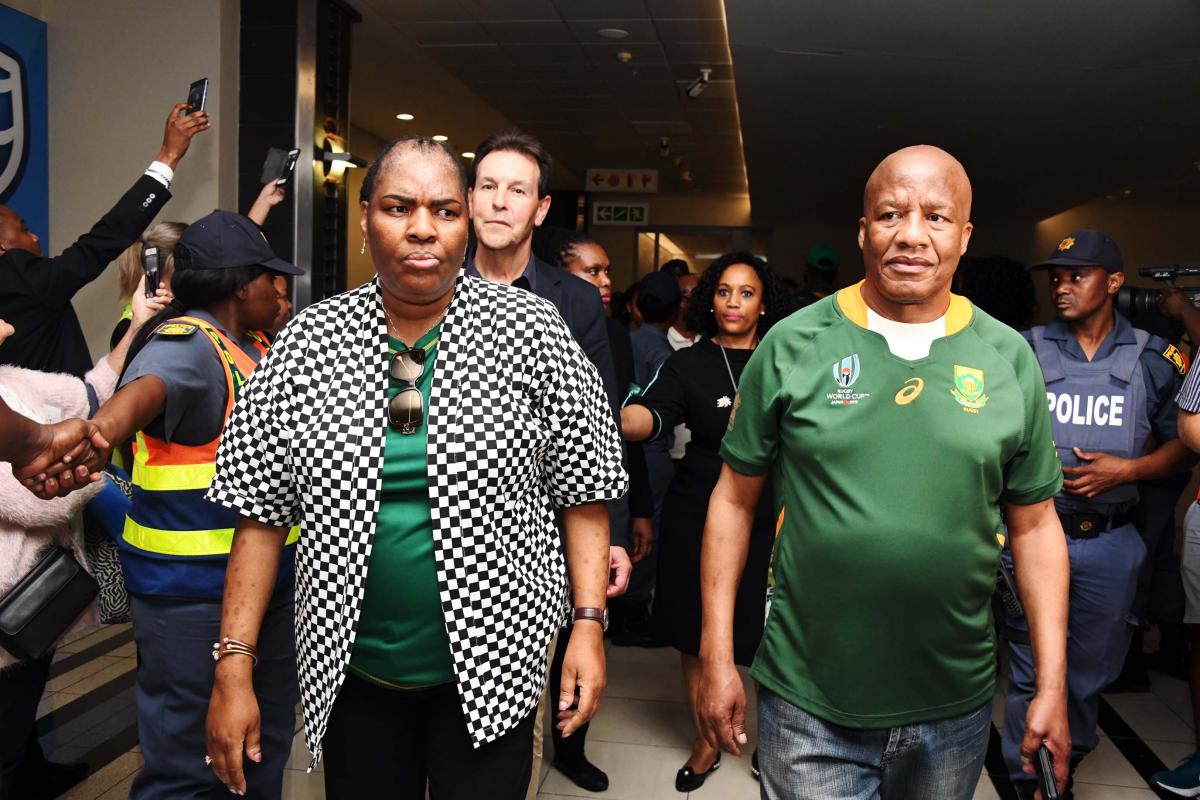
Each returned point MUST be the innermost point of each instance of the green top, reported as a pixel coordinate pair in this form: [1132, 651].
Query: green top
[891, 474]
[401, 640]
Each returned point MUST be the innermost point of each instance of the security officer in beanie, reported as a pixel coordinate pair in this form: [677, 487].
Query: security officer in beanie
[1110, 388]
[174, 400]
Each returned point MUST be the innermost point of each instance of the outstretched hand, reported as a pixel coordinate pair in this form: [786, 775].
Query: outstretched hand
[64, 457]
[180, 129]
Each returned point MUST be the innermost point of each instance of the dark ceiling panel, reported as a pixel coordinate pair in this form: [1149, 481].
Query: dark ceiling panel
[687, 9]
[1042, 120]
[643, 54]
[640, 30]
[484, 10]
[698, 53]
[426, 33]
[691, 30]
[530, 32]
[399, 12]
[545, 55]
[469, 54]
[602, 9]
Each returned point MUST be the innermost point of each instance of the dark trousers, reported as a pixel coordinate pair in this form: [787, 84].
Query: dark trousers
[174, 684]
[571, 748]
[21, 688]
[392, 743]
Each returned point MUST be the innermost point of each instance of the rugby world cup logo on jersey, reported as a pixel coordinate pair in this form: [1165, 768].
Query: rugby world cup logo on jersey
[845, 374]
[14, 122]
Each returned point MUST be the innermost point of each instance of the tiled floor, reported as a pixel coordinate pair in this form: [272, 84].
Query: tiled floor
[641, 736]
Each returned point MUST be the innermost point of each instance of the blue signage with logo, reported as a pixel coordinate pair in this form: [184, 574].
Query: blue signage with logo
[24, 168]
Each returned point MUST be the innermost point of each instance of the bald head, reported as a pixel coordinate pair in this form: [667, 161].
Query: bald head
[926, 165]
[916, 224]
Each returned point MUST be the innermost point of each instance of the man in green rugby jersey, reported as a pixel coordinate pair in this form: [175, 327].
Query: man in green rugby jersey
[905, 429]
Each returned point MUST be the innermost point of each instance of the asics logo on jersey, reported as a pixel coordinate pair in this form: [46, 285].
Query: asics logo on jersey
[910, 391]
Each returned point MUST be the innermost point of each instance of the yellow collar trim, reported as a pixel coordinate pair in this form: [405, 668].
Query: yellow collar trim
[850, 301]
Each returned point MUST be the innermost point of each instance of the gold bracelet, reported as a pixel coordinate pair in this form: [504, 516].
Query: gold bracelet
[229, 647]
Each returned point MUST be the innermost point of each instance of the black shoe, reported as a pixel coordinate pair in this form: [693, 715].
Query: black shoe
[584, 774]
[688, 781]
[754, 770]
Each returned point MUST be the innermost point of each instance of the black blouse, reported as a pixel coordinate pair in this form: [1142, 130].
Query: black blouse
[693, 387]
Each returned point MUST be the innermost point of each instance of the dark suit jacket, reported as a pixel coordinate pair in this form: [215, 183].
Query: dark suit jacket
[578, 303]
[36, 291]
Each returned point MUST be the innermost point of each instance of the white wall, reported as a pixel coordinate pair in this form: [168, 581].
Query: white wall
[115, 69]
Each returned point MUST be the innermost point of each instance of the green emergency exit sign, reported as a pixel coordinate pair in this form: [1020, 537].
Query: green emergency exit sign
[620, 213]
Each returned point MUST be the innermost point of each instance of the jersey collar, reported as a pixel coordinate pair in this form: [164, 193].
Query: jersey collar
[854, 308]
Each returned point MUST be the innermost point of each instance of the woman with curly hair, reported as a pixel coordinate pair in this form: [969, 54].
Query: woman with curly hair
[737, 300]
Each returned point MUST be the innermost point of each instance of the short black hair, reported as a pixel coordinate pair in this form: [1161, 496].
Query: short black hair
[677, 267]
[776, 302]
[518, 142]
[422, 143]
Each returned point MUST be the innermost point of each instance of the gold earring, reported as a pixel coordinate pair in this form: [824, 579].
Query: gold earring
[362, 251]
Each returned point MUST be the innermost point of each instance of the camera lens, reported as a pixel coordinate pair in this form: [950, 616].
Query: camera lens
[1136, 302]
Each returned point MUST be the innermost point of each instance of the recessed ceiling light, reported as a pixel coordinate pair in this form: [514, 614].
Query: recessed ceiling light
[468, 154]
[613, 33]
[405, 117]
[441, 137]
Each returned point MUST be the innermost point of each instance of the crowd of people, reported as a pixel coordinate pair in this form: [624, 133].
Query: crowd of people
[412, 507]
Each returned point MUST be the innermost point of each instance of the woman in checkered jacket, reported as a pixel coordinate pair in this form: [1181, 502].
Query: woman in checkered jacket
[424, 430]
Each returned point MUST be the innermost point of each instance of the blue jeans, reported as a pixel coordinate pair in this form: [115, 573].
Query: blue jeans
[803, 756]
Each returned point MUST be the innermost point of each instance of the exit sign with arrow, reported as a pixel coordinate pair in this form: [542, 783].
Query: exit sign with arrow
[620, 213]
[622, 180]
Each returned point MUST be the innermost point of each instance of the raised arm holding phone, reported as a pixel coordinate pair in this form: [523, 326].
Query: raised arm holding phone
[36, 290]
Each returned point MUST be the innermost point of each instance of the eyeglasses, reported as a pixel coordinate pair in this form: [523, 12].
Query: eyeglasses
[406, 410]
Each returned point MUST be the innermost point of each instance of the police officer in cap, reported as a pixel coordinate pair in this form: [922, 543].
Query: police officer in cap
[175, 398]
[1110, 388]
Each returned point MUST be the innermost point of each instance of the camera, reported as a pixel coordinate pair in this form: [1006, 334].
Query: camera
[1133, 301]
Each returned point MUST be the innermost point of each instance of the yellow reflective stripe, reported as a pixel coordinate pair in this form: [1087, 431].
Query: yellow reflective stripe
[186, 543]
[173, 478]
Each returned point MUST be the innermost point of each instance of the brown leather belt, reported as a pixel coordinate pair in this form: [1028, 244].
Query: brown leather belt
[1089, 526]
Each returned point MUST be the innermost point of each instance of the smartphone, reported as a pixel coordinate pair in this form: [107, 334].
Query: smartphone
[289, 164]
[1044, 764]
[150, 268]
[197, 96]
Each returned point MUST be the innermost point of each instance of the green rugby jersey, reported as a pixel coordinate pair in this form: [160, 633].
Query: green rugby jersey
[891, 474]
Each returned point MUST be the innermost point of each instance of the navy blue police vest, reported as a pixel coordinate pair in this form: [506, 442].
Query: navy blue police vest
[1097, 405]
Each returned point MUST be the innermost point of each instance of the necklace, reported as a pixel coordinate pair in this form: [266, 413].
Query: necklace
[725, 358]
[395, 327]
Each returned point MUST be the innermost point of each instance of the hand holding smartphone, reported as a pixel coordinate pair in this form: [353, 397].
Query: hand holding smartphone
[1043, 762]
[197, 96]
[150, 268]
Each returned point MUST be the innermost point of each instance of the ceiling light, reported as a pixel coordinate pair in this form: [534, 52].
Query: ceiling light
[441, 137]
[613, 33]
[468, 154]
[405, 117]
[697, 87]
[624, 56]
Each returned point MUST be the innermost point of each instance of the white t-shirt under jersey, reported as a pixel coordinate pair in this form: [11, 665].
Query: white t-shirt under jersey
[907, 340]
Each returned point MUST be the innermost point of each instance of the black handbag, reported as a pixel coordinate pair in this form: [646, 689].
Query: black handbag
[44, 603]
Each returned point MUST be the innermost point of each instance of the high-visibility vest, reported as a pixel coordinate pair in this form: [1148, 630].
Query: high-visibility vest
[176, 542]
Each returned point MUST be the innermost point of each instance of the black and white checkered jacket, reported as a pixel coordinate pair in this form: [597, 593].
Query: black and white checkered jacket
[518, 426]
